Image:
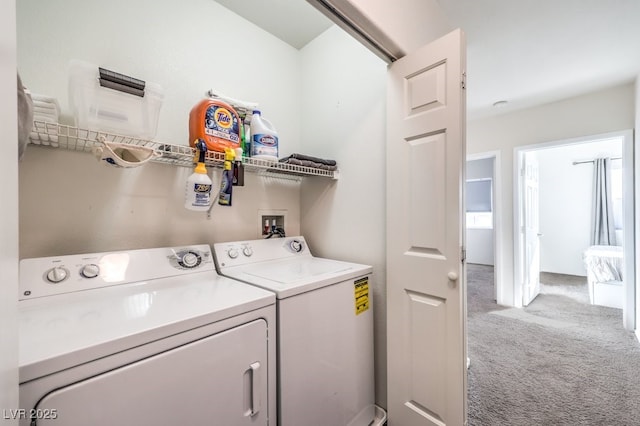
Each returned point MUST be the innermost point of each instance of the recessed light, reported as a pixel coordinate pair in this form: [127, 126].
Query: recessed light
[499, 104]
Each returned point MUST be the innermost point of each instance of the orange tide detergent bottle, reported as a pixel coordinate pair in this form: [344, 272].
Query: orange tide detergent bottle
[217, 123]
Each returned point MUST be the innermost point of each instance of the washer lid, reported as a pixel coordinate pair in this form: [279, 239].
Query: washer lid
[62, 331]
[290, 272]
[293, 276]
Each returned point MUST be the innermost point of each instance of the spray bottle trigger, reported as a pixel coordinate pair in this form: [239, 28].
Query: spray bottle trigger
[229, 156]
[201, 150]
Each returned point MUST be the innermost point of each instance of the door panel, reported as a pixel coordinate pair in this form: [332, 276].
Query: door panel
[425, 89]
[427, 344]
[218, 380]
[425, 276]
[425, 183]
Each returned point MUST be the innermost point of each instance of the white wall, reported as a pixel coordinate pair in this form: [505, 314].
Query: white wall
[9, 222]
[480, 246]
[344, 119]
[479, 241]
[71, 203]
[590, 114]
[566, 201]
[408, 23]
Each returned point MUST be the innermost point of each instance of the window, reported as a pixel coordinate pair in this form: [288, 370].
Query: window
[479, 203]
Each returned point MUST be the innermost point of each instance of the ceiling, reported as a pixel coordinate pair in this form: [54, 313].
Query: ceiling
[531, 52]
[293, 21]
[526, 52]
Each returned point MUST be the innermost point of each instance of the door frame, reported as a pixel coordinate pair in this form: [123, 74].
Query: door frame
[9, 252]
[498, 262]
[630, 236]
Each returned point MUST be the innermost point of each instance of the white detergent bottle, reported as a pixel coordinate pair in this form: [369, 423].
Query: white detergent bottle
[264, 138]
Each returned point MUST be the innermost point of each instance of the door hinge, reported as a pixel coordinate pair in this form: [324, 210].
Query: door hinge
[463, 254]
[463, 83]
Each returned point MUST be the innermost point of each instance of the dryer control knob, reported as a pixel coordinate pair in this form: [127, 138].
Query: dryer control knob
[296, 246]
[232, 253]
[57, 275]
[247, 251]
[190, 260]
[90, 271]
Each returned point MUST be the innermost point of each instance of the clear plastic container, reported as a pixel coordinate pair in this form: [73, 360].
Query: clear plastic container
[100, 108]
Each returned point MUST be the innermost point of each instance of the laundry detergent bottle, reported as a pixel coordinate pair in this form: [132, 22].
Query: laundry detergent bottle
[198, 191]
[264, 138]
[215, 122]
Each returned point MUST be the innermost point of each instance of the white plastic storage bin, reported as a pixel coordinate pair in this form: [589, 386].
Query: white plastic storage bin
[101, 108]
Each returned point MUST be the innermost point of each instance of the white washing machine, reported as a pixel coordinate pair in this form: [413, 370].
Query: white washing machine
[143, 337]
[325, 329]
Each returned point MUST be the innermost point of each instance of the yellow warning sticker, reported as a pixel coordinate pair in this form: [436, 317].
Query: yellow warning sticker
[361, 289]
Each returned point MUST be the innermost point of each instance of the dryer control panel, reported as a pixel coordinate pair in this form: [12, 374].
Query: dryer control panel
[47, 276]
[253, 251]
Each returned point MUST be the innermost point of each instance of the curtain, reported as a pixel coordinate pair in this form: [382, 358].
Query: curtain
[603, 230]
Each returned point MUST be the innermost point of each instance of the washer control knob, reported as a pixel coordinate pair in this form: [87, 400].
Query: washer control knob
[190, 259]
[232, 253]
[57, 275]
[247, 251]
[296, 246]
[90, 271]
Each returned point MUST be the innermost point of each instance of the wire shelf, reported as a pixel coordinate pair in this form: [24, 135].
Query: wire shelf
[75, 139]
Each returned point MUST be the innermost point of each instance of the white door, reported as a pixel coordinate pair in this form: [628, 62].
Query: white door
[426, 311]
[531, 228]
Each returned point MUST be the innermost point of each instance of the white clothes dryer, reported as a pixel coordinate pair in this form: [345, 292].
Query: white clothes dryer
[143, 337]
[325, 329]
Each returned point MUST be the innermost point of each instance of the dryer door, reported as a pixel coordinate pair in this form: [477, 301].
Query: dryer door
[218, 380]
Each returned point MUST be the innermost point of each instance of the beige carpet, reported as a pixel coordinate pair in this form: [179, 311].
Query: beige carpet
[560, 361]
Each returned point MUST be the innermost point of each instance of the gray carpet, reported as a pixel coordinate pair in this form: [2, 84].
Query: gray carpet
[559, 361]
